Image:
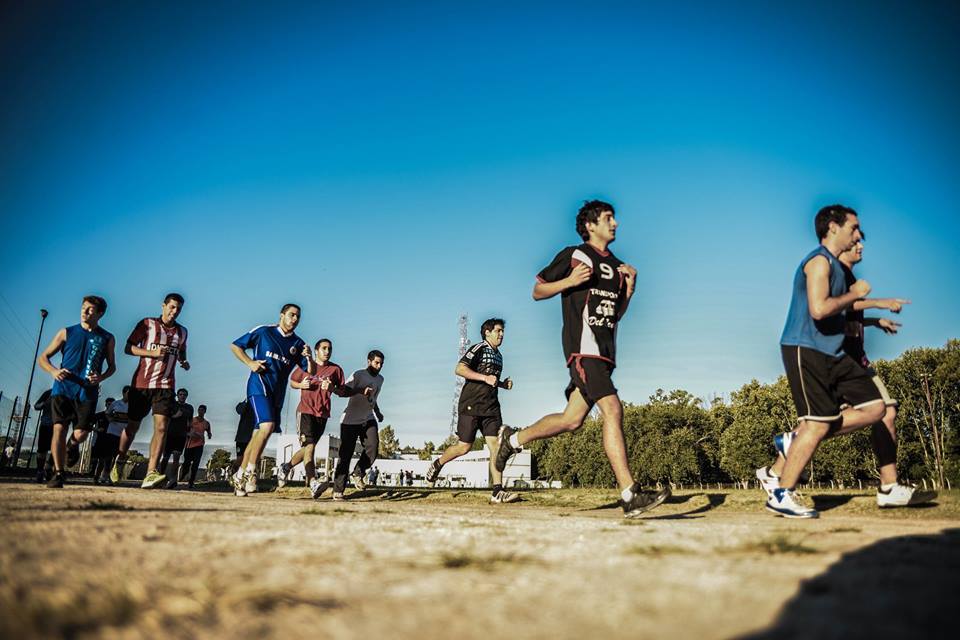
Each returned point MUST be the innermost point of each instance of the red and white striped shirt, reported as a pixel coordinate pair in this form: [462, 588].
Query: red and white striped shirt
[158, 373]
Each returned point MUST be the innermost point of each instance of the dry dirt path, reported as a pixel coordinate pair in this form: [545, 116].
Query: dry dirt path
[120, 562]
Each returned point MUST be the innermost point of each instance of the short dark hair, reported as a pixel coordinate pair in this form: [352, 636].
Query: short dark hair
[321, 341]
[126, 388]
[203, 406]
[284, 308]
[831, 213]
[375, 353]
[590, 212]
[173, 296]
[109, 401]
[489, 324]
[184, 390]
[97, 302]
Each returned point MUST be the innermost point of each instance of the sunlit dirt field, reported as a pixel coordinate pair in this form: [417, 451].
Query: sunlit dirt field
[121, 562]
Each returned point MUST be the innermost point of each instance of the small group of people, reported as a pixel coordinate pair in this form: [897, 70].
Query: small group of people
[833, 387]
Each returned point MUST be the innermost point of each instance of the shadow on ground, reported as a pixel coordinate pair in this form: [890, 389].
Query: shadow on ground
[714, 500]
[897, 588]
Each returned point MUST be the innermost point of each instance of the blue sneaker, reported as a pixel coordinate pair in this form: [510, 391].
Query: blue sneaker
[786, 503]
[782, 442]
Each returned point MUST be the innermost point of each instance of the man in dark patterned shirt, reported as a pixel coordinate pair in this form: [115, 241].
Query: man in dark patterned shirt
[479, 409]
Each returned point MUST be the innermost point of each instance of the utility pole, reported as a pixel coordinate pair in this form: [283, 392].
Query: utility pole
[26, 403]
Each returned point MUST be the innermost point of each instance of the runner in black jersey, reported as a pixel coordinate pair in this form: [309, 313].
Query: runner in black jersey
[479, 409]
[595, 289]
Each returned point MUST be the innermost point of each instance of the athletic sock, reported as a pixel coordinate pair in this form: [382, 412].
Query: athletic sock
[251, 467]
[515, 441]
[497, 488]
[888, 487]
[771, 472]
[627, 494]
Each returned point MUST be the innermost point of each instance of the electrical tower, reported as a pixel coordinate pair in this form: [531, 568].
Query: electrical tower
[458, 383]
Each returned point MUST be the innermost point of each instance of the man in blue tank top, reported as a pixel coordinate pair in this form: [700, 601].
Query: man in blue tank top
[821, 376]
[83, 347]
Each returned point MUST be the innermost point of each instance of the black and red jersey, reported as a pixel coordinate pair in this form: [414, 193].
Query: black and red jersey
[591, 310]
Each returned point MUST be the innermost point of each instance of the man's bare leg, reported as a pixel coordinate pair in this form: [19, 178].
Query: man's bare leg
[157, 441]
[613, 442]
[554, 424]
[492, 446]
[58, 447]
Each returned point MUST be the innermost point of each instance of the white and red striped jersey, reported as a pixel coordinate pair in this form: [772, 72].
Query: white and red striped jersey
[158, 373]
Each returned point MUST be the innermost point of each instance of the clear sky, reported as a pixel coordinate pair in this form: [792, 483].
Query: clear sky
[390, 166]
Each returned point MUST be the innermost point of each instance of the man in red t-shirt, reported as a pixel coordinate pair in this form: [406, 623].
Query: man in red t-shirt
[160, 344]
[314, 410]
[199, 431]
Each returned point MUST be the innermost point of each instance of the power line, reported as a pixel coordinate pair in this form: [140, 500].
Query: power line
[26, 332]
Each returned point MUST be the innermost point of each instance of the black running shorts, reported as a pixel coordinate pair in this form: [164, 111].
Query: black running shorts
[310, 428]
[467, 427]
[820, 383]
[140, 402]
[593, 377]
[67, 411]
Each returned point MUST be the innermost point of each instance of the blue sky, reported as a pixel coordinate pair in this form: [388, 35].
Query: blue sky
[390, 167]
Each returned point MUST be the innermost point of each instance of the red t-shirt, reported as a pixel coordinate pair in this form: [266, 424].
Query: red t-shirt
[315, 401]
[198, 428]
[158, 373]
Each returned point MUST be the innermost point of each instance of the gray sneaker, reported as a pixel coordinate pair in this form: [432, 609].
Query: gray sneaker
[239, 482]
[504, 497]
[338, 496]
[283, 475]
[358, 481]
[643, 500]
[318, 488]
[504, 449]
[433, 472]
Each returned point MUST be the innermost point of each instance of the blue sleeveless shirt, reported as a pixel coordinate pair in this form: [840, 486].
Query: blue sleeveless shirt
[825, 336]
[83, 354]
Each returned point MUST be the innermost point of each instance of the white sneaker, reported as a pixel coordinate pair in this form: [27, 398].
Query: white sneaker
[903, 495]
[317, 488]
[239, 482]
[768, 481]
[504, 497]
[787, 503]
[283, 475]
[782, 442]
[251, 482]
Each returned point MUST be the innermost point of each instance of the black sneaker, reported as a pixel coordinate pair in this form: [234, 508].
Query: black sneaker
[504, 449]
[57, 480]
[73, 454]
[643, 500]
[434, 471]
[41, 478]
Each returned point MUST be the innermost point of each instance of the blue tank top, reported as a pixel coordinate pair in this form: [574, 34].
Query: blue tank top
[83, 354]
[825, 336]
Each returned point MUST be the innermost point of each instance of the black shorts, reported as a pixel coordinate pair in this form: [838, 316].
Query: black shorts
[67, 411]
[140, 402]
[175, 442]
[310, 428]
[820, 383]
[106, 446]
[593, 377]
[467, 427]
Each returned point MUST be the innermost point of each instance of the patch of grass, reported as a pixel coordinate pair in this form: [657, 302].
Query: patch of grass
[632, 522]
[104, 505]
[463, 559]
[845, 530]
[315, 511]
[656, 550]
[377, 510]
[776, 544]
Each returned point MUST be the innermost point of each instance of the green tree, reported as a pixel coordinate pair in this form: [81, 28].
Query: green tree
[426, 452]
[389, 444]
[220, 459]
[758, 411]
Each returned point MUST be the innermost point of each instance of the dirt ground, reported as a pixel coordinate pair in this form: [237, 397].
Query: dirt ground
[120, 562]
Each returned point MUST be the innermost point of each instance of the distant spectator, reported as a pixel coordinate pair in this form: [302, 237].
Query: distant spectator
[44, 434]
[199, 431]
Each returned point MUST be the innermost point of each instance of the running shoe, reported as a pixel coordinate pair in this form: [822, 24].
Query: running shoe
[357, 479]
[903, 495]
[251, 482]
[115, 471]
[171, 484]
[643, 500]
[56, 481]
[433, 472]
[317, 488]
[782, 442]
[239, 482]
[153, 480]
[283, 475]
[40, 476]
[338, 496]
[504, 449]
[788, 503]
[503, 497]
[768, 481]
[73, 453]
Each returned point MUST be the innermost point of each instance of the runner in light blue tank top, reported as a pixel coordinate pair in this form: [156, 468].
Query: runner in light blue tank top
[801, 330]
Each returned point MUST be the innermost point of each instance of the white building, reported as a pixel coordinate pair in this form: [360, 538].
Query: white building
[469, 471]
